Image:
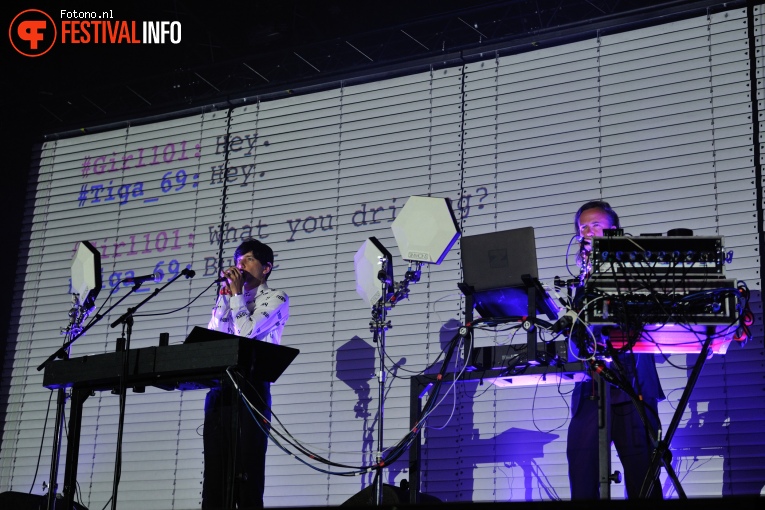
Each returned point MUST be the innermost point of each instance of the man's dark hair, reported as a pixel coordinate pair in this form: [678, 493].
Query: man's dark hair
[260, 251]
[597, 204]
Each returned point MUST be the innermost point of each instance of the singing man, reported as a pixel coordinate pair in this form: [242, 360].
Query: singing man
[246, 307]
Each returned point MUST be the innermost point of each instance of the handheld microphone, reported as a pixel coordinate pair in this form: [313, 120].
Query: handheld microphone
[224, 279]
[154, 277]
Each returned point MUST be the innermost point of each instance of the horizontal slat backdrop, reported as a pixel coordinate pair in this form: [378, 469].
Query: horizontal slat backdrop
[656, 120]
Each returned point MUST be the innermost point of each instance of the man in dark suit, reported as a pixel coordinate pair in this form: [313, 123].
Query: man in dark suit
[628, 433]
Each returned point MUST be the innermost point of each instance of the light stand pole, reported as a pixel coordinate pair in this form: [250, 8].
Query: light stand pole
[425, 230]
[379, 325]
[77, 314]
[86, 284]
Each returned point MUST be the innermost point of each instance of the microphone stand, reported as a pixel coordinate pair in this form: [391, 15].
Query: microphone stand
[127, 320]
[379, 325]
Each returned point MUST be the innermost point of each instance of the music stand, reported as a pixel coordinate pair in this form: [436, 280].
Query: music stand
[269, 361]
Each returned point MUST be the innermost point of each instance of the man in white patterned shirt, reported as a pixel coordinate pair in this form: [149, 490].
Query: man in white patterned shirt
[247, 307]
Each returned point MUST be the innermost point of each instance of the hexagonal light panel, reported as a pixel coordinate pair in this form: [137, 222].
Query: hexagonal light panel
[425, 229]
[368, 262]
[86, 273]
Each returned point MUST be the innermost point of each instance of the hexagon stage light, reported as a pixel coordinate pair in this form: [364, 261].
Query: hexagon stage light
[86, 273]
[368, 263]
[425, 229]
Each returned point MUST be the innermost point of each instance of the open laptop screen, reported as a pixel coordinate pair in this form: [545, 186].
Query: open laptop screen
[493, 266]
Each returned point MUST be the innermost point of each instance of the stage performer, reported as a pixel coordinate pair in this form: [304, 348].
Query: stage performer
[628, 433]
[246, 307]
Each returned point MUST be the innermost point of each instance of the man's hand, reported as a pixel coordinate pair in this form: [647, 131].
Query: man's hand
[235, 280]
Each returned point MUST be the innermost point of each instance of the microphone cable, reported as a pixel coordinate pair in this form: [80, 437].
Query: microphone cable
[394, 452]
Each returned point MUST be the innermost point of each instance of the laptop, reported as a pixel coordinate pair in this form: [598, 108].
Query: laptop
[499, 268]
